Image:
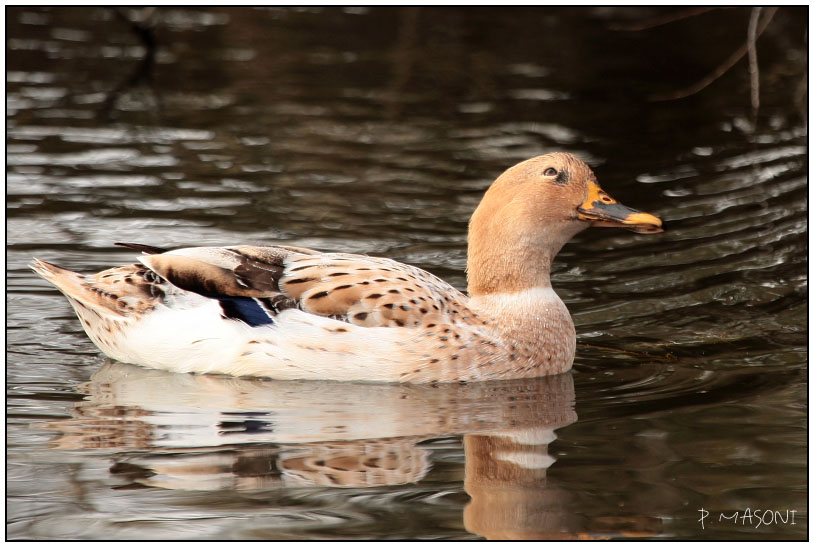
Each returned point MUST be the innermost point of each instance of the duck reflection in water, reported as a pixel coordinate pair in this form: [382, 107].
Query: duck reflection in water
[219, 433]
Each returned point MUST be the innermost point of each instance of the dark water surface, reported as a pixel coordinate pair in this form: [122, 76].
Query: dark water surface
[377, 130]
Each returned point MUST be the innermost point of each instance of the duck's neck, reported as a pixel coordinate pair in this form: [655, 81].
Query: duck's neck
[497, 269]
[507, 265]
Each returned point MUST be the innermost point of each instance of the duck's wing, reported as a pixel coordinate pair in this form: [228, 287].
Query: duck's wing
[254, 280]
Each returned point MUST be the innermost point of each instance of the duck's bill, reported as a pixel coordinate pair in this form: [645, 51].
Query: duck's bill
[602, 210]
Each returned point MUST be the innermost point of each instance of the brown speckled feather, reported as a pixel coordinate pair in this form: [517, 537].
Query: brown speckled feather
[369, 292]
[361, 290]
[122, 291]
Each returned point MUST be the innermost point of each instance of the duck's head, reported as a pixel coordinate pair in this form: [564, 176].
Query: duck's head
[530, 212]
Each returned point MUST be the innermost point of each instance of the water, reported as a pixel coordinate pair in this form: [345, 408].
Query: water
[377, 130]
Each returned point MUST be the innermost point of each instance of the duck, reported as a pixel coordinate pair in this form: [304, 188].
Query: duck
[286, 312]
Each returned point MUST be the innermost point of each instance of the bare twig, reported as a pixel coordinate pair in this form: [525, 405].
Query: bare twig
[801, 93]
[751, 38]
[143, 71]
[662, 20]
[719, 71]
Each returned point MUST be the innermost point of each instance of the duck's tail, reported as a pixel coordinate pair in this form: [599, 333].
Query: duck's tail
[68, 282]
[114, 293]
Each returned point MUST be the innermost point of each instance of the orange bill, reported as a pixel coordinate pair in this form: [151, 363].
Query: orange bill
[602, 210]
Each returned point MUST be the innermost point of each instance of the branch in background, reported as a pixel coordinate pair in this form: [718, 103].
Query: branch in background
[143, 71]
[801, 93]
[736, 56]
[654, 22]
[751, 38]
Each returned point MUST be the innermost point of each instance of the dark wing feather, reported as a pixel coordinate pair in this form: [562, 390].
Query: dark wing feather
[365, 291]
[146, 249]
[222, 271]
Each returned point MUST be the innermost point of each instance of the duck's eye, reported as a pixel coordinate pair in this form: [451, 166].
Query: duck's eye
[550, 172]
